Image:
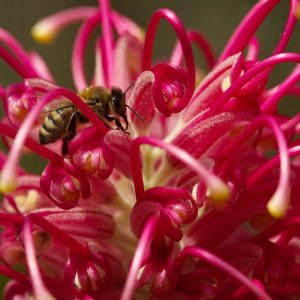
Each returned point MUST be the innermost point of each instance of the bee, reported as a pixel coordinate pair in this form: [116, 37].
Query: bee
[63, 116]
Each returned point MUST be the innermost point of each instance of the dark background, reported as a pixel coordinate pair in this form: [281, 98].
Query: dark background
[216, 19]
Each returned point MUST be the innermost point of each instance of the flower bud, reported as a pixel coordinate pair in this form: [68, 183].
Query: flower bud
[87, 272]
[89, 153]
[20, 98]
[62, 188]
[175, 207]
[170, 87]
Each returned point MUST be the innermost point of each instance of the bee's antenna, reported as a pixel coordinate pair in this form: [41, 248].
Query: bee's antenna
[130, 86]
[135, 113]
[129, 106]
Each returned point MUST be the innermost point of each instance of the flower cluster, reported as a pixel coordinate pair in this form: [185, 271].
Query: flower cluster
[189, 203]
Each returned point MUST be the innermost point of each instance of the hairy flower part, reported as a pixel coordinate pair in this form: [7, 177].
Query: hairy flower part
[63, 189]
[141, 101]
[197, 198]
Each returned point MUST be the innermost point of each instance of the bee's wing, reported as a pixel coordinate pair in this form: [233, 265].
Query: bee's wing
[57, 104]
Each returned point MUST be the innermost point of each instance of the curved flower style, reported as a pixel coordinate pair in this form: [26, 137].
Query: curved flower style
[189, 203]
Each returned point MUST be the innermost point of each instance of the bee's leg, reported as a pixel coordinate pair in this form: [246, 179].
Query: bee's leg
[106, 124]
[118, 123]
[64, 148]
[70, 133]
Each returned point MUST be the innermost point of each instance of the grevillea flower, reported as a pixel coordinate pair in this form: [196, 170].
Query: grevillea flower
[197, 198]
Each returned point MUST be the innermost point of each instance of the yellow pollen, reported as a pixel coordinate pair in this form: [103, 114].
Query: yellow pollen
[102, 164]
[7, 185]
[42, 33]
[172, 102]
[277, 206]
[89, 164]
[20, 114]
[199, 76]
[297, 11]
[275, 211]
[69, 195]
[218, 193]
[182, 214]
[141, 34]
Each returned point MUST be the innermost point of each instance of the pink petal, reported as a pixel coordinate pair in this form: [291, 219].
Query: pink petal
[141, 101]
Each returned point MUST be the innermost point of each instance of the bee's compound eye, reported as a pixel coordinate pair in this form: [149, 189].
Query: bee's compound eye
[116, 102]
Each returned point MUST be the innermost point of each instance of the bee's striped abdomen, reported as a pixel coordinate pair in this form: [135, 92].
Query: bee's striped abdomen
[55, 124]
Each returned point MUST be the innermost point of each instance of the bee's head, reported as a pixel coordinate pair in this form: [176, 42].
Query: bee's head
[118, 103]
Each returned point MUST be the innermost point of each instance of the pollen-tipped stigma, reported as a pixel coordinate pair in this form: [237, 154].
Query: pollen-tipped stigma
[8, 181]
[218, 192]
[278, 205]
[43, 33]
[297, 11]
